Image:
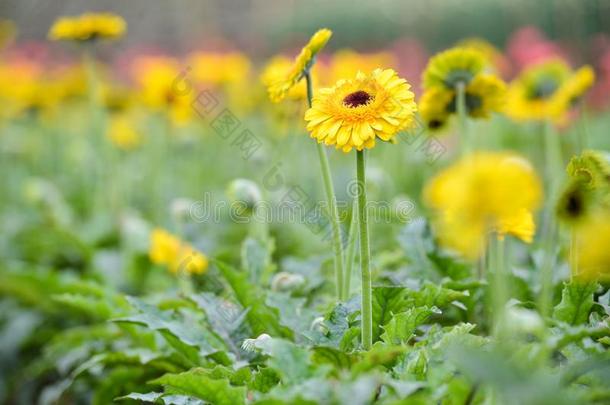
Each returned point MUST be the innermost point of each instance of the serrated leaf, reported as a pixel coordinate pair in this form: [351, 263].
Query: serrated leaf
[197, 383]
[576, 302]
[93, 307]
[262, 319]
[329, 355]
[189, 338]
[402, 326]
[386, 302]
[433, 295]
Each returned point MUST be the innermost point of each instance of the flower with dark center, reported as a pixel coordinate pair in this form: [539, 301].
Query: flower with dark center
[357, 98]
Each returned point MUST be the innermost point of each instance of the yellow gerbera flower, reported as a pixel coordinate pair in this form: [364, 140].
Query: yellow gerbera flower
[279, 87]
[453, 66]
[355, 112]
[484, 94]
[88, 26]
[122, 132]
[168, 250]
[535, 94]
[156, 78]
[477, 195]
[592, 253]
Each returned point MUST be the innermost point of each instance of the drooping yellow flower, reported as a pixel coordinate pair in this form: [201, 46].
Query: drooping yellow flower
[219, 68]
[547, 91]
[484, 92]
[355, 112]
[592, 253]
[122, 132]
[484, 192]
[158, 80]
[279, 87]
[88, 27]
[275, 70]
[168, 250]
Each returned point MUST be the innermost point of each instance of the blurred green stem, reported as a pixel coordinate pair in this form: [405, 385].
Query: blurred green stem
[331, 200]
[365, 264]
[499, 283]
[463, 119]
[351, 250]
[554, 170]
[582, 134]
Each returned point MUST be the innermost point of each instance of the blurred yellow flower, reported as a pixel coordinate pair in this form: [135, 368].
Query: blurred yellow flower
[547, 91]
[484, 192]
[494, 57]
[355, 112]
[484, 92]
[88, 27]
[168, 250]
[275, 69]
[122, 132]
[158, 82]
[593, 255]
[216, 68]
[278, 87]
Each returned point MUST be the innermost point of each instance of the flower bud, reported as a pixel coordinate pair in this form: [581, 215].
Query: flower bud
[245, 194]
[284, 281]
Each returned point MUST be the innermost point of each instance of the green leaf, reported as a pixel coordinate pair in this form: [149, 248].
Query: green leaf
[329, 355]
[292, 362]
[256, 259]
[386, 302]
[187, 336]
[433, 295]
[576, 302]
[197, 383]
[264, 380]
[401, 327]
[262, 318]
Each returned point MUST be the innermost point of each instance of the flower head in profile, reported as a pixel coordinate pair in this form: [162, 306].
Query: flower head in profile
[280, 85]
[88, 27]
[482, 193]
[484, 92]
[354, 113]
[575, 87]
[178, 256]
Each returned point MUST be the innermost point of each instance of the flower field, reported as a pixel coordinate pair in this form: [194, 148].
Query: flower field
[303, 221]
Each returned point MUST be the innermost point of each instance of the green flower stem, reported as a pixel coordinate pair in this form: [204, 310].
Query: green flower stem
[331, 200]
[499, 283]
[554, 170]
[350, 253]
[365, 264]
[463, 119]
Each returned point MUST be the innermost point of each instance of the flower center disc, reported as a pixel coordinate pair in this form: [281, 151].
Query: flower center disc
[357, 98]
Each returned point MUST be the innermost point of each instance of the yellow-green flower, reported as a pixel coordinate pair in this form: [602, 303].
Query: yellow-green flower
[168, 250]
[484, 92]
[482, 193]
[88, 26]
[355, 112]
[279, 86]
